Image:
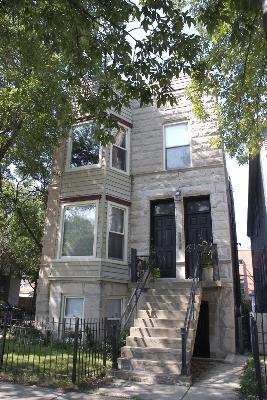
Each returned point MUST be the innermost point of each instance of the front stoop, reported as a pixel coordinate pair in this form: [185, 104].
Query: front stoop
[153, 351]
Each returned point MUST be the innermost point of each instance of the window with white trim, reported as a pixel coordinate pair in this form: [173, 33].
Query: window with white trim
[119, 151]
[78, 230]
[116, 232]
[177, 146]
[114, 308]
[73, 307]
[84, 149]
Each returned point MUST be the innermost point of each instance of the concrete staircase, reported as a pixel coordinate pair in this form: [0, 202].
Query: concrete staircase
[153, 350]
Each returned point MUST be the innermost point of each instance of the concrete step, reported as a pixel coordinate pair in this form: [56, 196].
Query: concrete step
[172, 333]
[167, 314]
[169, 298]
[158, 305]
[161, 323]
[155, 342]
[150, 365]
[152, 353]
[151, 379]
[174, 284]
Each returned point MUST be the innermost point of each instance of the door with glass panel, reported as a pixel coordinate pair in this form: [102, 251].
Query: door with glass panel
[163, 238]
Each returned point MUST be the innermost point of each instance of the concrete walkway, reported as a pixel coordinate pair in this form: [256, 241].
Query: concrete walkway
[213, 380]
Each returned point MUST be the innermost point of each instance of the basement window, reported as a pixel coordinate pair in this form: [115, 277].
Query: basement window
[114, 308]
[73, 307]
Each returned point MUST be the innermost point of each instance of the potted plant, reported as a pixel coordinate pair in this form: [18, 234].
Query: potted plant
[207, 265]
[156, 273]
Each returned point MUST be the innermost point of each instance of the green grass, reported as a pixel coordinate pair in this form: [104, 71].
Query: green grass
[26, 362]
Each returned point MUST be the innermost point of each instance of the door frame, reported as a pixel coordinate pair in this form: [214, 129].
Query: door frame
[152, 203]
[185, 200]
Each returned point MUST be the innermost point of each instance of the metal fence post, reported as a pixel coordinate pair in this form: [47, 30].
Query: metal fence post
[256, 356]
[184, 362]
[115, 346]
[2, 352]
[75, 351]
[105, 342]
[133, 265]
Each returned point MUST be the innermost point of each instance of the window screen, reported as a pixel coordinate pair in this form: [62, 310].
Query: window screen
[113, 308]
[73, 307]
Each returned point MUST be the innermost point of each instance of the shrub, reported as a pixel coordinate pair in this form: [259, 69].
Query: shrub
[248, 386]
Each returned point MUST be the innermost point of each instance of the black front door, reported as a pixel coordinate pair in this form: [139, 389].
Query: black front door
[198, 227]
[163, 237]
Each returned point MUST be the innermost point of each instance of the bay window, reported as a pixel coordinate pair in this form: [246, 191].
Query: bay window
[79, 230]
[117, 232]
[119, 151]
[84, 149]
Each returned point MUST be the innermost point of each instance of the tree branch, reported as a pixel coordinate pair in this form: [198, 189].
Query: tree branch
[36, 241]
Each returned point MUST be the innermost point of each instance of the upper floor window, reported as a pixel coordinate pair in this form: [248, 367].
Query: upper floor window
[119, 151]
[117, 232]
[84, 150]
[79, 230]
[177, 146]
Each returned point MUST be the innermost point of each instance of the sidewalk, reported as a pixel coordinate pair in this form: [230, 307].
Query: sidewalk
[213, 380]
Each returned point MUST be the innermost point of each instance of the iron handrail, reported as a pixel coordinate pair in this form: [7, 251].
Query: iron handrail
[198, 250]
[133, 301]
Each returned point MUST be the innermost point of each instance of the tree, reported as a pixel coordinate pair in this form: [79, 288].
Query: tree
[21, 226]
[232, 67]
[64, 57]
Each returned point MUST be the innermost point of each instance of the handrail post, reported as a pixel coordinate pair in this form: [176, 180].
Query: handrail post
[133, 265]
[184, 361]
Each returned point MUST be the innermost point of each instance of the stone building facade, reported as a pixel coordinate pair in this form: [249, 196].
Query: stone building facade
[163, 161]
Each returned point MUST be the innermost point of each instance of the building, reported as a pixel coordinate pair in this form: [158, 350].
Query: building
[246, 273]
[257, 225]
[159, 185]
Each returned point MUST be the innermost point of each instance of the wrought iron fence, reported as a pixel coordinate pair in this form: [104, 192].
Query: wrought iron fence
[74, 350]
[258, 329]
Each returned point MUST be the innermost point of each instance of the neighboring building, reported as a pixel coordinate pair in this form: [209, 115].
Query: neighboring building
[160, 184]
[246, 273]
[257, 225]
[26, 296]
[9, 287]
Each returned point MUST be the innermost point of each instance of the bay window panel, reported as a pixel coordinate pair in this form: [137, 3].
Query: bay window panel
[116, 220]
[84, 149]
[178, 157]
[121, 139]
[119, 158]
[116, 246]
[78, 230]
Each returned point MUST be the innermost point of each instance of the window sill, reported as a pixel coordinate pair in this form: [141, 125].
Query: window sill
[70, 259]
[73, 169]
[127, 173]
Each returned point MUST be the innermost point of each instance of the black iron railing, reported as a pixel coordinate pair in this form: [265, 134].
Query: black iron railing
[141, 274]
[72, 350]
[201, 256]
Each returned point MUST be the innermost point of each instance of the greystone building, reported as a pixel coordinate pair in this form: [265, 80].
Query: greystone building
[161, 185]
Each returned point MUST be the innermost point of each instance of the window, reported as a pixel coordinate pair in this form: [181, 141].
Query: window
[119, 156]
[114, 307]
[84, 150]
[79, 230]
[116, 233]
[73, 307]
[177, 146]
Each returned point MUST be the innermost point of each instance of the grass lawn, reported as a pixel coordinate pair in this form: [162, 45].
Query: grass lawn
[26, 361]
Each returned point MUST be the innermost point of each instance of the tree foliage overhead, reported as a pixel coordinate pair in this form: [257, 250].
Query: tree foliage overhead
[232, 67]
[53, 52]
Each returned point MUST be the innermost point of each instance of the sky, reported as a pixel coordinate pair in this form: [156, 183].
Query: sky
[239, 178]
